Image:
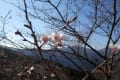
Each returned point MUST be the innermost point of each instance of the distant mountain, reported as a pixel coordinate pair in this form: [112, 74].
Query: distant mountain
[14, 61]
[58, 57]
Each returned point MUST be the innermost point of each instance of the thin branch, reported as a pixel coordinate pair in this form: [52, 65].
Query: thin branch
[31, 28]
[113, 26]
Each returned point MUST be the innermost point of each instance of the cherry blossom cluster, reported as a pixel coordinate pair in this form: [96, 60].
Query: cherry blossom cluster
[54, 37]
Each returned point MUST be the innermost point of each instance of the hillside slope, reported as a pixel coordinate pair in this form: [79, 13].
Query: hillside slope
[17, 66]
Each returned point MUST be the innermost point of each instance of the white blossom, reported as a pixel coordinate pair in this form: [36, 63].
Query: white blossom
[52, 75]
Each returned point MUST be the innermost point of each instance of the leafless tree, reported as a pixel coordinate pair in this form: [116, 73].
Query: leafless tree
[82, 21]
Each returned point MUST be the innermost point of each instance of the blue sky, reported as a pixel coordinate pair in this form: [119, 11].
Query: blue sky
[17, 21]
[4, 8]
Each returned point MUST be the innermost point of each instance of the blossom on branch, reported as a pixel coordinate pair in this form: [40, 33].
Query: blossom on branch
[54, 37]
[57, 38]
[44, 39]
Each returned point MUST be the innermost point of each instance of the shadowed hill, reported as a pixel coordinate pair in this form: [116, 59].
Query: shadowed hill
[25, 65]
[17, 66]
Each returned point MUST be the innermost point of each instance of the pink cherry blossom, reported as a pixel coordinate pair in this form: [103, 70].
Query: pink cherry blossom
[55, 37]
[44, 39]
